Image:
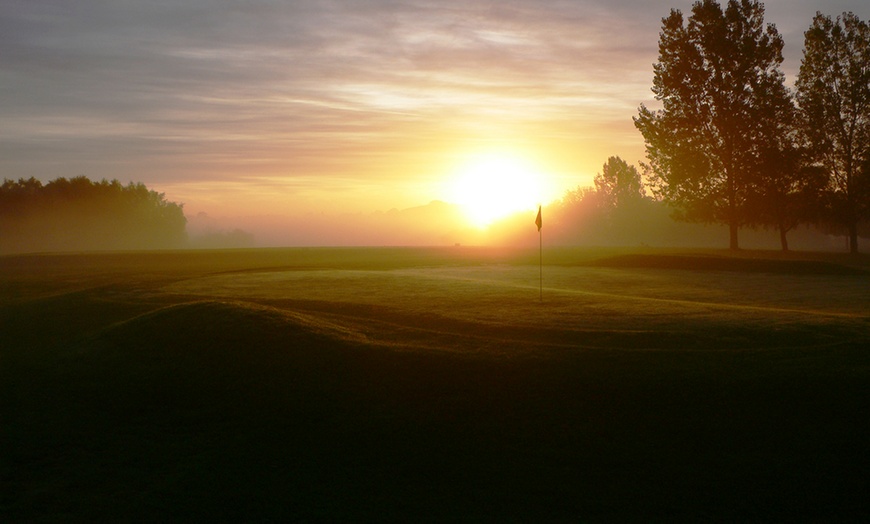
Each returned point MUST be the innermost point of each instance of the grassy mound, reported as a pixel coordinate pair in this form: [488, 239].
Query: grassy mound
[229, 325]
[121, 401]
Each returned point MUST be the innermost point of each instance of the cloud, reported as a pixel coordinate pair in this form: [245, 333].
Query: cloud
[330, 94]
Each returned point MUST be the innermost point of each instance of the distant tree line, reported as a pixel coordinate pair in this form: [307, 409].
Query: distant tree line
[78, 214]
[733, 145]
[613, 210]
[616, 211]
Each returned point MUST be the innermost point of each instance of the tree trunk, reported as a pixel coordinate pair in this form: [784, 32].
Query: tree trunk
[782, 237]
[733, 223]
[732, 230]
[853, 237]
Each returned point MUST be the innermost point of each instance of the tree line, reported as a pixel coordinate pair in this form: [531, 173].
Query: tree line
[78, 214]
[732, 144]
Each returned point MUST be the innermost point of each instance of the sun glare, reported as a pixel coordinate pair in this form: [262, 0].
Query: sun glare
[493, 186]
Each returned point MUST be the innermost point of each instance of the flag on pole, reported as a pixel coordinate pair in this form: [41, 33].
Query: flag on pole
[539, 223]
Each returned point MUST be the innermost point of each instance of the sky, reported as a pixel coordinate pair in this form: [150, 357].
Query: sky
[280, 109]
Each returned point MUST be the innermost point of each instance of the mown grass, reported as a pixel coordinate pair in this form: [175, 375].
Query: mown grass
[401, 384]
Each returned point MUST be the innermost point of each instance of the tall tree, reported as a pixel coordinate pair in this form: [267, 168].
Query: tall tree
[717, 77]
[786, 190]
[833, 93]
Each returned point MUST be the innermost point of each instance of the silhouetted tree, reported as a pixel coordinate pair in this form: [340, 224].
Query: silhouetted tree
[785, 191]
[787, 196]
[618, 184]
[717, 77]
[79, 214]
[833, 93]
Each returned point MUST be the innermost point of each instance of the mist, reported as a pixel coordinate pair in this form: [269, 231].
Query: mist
[438, 223]
[434, 224]
[79, 215]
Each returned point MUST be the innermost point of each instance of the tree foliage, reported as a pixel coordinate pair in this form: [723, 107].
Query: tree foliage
[833, 93]
[786, 189]
[613, 212]
[618, 184]
[77, 214]
[720, 86]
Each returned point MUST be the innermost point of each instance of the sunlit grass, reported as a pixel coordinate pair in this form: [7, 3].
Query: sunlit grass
[579, 299]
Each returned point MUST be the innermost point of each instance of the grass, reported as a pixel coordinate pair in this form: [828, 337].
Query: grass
[405, 384]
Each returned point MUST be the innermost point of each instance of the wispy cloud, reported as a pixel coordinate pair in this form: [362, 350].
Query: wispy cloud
[337, 94]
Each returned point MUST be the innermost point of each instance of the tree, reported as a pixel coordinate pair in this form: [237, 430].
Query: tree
[77, 214]
[788, 195]
[717, 78]
[618, 183]
[833, 94]
[786, 189]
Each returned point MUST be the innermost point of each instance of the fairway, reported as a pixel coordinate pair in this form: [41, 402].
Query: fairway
[435, 384]
[579, 299]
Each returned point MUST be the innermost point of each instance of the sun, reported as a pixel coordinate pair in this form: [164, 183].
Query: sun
[494, 185]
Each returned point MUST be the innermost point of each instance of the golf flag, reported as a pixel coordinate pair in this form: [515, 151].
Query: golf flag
[538, 221]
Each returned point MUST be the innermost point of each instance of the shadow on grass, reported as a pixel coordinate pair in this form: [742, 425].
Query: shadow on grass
[232, 411]
[786, 266]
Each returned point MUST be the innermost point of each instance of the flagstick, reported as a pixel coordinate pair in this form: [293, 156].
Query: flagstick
[539, 223]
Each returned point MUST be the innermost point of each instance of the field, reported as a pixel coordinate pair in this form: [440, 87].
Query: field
[409, 384]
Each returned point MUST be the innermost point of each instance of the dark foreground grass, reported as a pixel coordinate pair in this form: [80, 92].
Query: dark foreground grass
[121, 402]
[780, 265]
